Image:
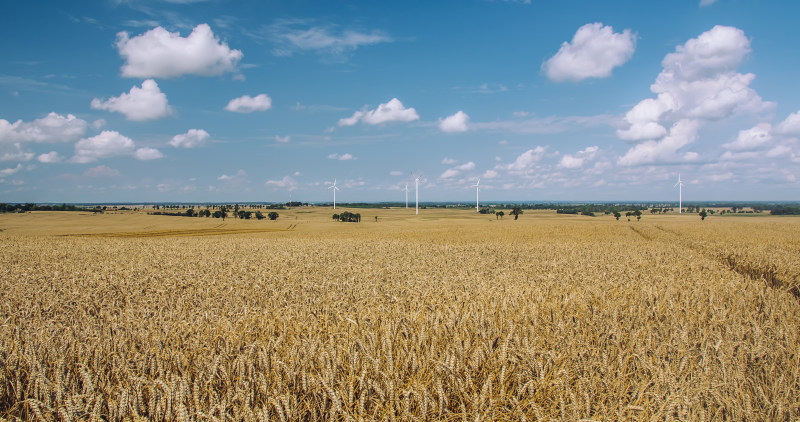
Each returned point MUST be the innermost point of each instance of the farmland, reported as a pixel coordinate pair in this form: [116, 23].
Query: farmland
[448, 315]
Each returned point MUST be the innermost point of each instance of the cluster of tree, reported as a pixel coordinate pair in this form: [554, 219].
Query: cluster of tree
[486, 210]
[629, 214]
[220, 213]
[348, 216]
[33, 207]
[785, 210]
[575, 211]
[662, 210]
[296, 204]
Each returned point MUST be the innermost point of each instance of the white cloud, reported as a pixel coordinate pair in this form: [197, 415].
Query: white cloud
[569, 161]
[14, 152]
[239, 175]
[145, 103]
[324, 40]
[10, 171]
[490, 174]
[283, 139]
[51, 128]
[466, 166]
[449, 161]
[286, 182]
[101, 171]
[527, 159]
[50, 157]
[190, 139]
[455, 123]
[752, 138]
[106, 144]
[395, 173]
[145, 154]
[790, 126]
[392, 111]
[449, 173]
[341, 157]
[248, 104]
[161, 54]
[698, 82]
[594, 52]
[682, 133]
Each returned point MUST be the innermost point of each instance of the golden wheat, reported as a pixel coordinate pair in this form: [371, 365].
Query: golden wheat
[471, 319]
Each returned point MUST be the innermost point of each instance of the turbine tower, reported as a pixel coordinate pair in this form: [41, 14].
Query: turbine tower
[477, 187]
[680, 194]
[406, 189]
[416, 191]
[334, 188]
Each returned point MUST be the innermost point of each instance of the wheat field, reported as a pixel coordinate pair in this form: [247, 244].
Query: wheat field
[447, 316]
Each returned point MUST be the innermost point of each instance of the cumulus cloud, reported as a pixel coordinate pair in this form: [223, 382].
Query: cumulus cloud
[455, 171]
[466, 166]
[50, 157]
[159, 53]
[283, 139]
[790, 126]
[594, 52]
[239, 175]
[682, 133]
[145, 103]
[750, 139]
[577, 160]
[392, 111]
[101, 171]
[341, 157]
[449, 161]
[146, 153]
[14, 152]
[698, 83]
[248, 104]
[490, 174]
[527, 159]
[286, 183]
[336, 45]
[108, 143]
[11, 170]
[192, 138]
[455, 123]
[449, 174]
[49, 129]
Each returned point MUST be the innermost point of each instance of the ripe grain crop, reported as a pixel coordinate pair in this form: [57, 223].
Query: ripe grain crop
[451, 319]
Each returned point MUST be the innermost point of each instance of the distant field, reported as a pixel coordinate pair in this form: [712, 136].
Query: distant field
[448, 315]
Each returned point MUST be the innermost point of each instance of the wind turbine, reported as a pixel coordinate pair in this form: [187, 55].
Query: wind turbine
[680, 194]
[477, 187]
[406, 189]
[416, 191]
[334, 188]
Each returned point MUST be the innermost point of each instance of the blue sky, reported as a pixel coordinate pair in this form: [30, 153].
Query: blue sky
[222, 100]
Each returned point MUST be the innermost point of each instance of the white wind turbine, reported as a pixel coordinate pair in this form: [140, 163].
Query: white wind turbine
[416, 191]
[680, 194]
[406, 189]
[477, 187]
[334, 188]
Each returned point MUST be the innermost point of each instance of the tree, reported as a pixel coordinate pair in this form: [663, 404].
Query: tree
[516, 211]
[259, 216]
[628, 214]
[617, 215]
[273, 215]
[223, 212]
[235, 210]
[190, 212]
[336, 217]
[703, 214]
[638, 215]
[499, 214]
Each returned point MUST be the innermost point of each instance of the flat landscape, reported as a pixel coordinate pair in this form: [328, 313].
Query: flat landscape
[448, 315]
